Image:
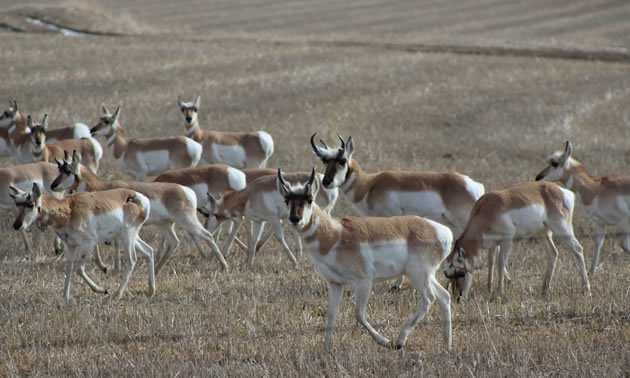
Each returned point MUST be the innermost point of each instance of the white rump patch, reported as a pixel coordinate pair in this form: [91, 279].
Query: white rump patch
[236, 178]
[266, 143]
[194, 150]
[475, 188]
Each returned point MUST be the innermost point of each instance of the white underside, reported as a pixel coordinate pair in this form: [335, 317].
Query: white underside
[230, 155]
[520, 223]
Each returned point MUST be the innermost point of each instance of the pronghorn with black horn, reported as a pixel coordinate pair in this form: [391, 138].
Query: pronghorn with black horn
[142, 157]
[357, 251]
[88, 148]
[516, 212]
[23, 176]
[171, 204]
[83, 220]
[236, 149]
[17, 139]
[445, 197]
[606, 199]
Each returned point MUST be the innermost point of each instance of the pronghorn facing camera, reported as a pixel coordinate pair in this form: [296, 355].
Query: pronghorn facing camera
[606, 199]
[519, 211]
[445, 197]
[171, 204]
[83, 220]
[88, 148]
[8, 119]
[357, 251]
[146, 156]
[237, 149]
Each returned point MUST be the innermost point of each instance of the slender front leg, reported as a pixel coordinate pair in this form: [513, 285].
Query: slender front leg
[335, 294]
[492, 252]
[147, 251]
[84, 252]
[279, 232]
[362, 292]
[600, 233]
[551, 263]
[504, 252]
[27, 242]
[72, 251]
[99, 261]
[235, 227]
[129, 242]
[257, 228]
[168, 234]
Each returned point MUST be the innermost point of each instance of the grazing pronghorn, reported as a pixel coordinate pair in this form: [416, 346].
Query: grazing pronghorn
[259, 202]
[500, 216]
[445, 197]
[17, 139]
[23, 176]
[88, 148]
[237, 149]
[606, 199]
[83, 220]
[360, 250]
[142, 157]
[171, 204]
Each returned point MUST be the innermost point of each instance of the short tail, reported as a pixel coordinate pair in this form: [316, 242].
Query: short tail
[142, 201]
[266, 143]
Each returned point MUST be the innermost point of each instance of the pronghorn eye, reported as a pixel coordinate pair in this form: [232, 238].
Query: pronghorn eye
[194, 109]
[555, 164]
[6, 113]
[30, 205]
[343, 162]
[310, 201]
[286, 202]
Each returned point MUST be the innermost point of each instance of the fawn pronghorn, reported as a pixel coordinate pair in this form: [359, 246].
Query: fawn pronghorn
[357, 251]
[606, 199]
[171, 204]
[500, 216]
[16, 137]
[142, 157]
[23, 176]
[237, 149]
[88, 148]
[82, 220]
[259, 202]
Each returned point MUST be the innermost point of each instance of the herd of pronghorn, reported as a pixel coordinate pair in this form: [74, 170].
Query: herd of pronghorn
[412, 223]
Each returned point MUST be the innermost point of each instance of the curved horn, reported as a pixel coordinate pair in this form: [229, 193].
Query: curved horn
[316, 149]
[323, 144]
[281, 179]
[312, 179]
[567, 150]
[343, 142]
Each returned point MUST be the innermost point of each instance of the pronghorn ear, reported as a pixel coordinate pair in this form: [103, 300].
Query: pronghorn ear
[15, 105]
[312, 187]
[59, 163]
[76, 157]
[197, 102]
[349, 148]
[461, 252]
[105, 110]
[37, 191]
[45, 121]
[14, 191]
[281, 185]
[29, 123]
[115, 115]
[567, 151]
[179, 102]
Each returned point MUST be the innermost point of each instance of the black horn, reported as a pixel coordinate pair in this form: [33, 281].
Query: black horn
[316, 149]
[343, 142]
[282, 182]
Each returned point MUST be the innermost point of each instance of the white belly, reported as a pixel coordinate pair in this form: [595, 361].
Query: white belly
[230, 155]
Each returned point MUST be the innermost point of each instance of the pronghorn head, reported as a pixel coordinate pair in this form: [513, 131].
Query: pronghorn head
[559, 162]
[298, 198]
[213, 210]
[189, 110]
[107, 123]
[459, 269]
[37, 132]
[28, 205]
[10, 115]
[337, 161]
[69, 172]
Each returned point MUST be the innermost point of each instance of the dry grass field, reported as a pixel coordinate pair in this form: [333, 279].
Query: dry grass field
[398, 77]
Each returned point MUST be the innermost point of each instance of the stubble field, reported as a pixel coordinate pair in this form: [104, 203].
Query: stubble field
[392, 75]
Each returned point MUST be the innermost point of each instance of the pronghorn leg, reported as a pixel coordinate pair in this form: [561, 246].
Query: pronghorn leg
[427, 296]
[168, 233]
[600, 233]
[99, 262]
[504, 252]
[27, 242]
[298, 242]
[70, 256]
[279, 232]
[362, 292]
[577, 249]
[551, 263]
[232, 236]
[264, 239]
[444, 300]
[147, 252]
[213, 247]
[84, 253]
[129, 241]
[492, 253]
[335, 294]
[398, 283]
[58, 246]
[257, 228]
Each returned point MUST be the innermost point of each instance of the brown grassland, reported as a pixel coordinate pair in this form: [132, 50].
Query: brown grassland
[297, 67]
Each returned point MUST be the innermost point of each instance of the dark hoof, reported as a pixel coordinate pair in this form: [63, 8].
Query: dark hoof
[398, 346]
[106, 292]
[394, 289]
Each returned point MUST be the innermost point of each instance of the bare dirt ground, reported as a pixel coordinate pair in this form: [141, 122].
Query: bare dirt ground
[488, 88]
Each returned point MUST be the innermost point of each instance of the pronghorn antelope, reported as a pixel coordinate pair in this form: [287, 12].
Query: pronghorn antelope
[360, 250]
[147, 156]
[499, 217]
[18, 138]
[23, 176]
[259, 202]
[171, 204]
[606, 199]
[88, 148]
[83, 220]
[237, 149]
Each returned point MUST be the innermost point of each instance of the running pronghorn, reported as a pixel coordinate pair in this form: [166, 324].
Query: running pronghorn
[17, 140]
[237, 149]
[88, 148]
[171, 204]
[606, 199]
[83, 220]
[357, 251]
[259, 202]
[144, 157]
[23, 176]
[516, 212]
[445, 197]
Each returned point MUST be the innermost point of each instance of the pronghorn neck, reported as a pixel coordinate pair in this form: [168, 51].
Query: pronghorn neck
[39, 153]
[234, 203]
[16, 130]
[472, 242]
[321, 229]
[54, 212]
[356, 181]
[116, 141]
[580, 182]
[90, 180]
[193, 131]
